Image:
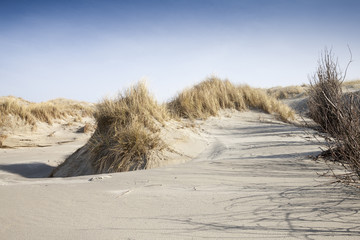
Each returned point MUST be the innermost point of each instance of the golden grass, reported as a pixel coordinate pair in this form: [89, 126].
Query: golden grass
[2, 138]
[127, 133]
[351, 84]
[46, 112]
[208, 97]
[127, 136]
[259, 99]
[303, 90]
[287, 92]
[88, 128]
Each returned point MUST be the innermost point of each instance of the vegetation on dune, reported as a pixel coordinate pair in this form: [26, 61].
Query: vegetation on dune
[2, 138]
[337, 114]
[127, 133]
[127, 136]
[201, 101]
[287, 92]
[352, 83]
[208, 97]
[128, 127]
[46, 112]
[325, 95]
[256, 98]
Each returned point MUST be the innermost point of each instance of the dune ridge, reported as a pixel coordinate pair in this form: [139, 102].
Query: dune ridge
[28, 124]
[129, 132]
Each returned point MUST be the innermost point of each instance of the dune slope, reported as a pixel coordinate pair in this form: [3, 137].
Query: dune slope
[130, 127]
[253, 180]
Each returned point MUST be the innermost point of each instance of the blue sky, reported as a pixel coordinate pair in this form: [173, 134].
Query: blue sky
[87, 49]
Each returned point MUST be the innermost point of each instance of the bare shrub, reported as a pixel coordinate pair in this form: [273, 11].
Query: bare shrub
[325, 94]
[336, 113]
[347, 141]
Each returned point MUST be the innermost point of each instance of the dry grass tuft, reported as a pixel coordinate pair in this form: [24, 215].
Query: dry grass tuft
[46, 112]
[88, 128]
[351, 86]
[287, 92]
[259, 99]
[208, 97]
[127, 134]
[2, 138]
[353, 83]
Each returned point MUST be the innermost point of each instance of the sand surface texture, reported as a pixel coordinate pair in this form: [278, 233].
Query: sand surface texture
[254, 180]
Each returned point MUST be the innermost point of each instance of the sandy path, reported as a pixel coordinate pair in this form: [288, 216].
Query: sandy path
[253, 181]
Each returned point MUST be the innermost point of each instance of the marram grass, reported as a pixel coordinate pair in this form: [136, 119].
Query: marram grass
[127, 133]
[128, 127]
[208, 97]
[47, 112]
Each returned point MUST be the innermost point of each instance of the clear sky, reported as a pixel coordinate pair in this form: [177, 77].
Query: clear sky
[88, 49]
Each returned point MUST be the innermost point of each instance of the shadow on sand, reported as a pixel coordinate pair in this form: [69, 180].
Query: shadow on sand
[28, 170]
[294, 213]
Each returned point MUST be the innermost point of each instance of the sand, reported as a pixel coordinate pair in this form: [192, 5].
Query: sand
[251, 179]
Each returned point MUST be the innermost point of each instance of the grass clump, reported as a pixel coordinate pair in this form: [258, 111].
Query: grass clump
[2, 138]
[127, 134]
[287, 92]
[208, 97]
[351, 84]
[259, 99]
[31, 113]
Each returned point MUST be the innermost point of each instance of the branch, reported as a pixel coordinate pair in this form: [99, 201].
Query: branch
[347, 66]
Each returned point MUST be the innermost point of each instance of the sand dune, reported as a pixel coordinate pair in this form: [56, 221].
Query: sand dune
[30, 124]
[252, 179]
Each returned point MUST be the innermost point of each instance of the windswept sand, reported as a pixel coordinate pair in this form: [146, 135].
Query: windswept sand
[252, 180]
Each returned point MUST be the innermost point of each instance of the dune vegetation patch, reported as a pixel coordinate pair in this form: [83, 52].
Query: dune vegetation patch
[351, 86]
[288, 92]
[351, 83]
[208, 97]
[127, 135]
[2, 138]
[31, 113]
